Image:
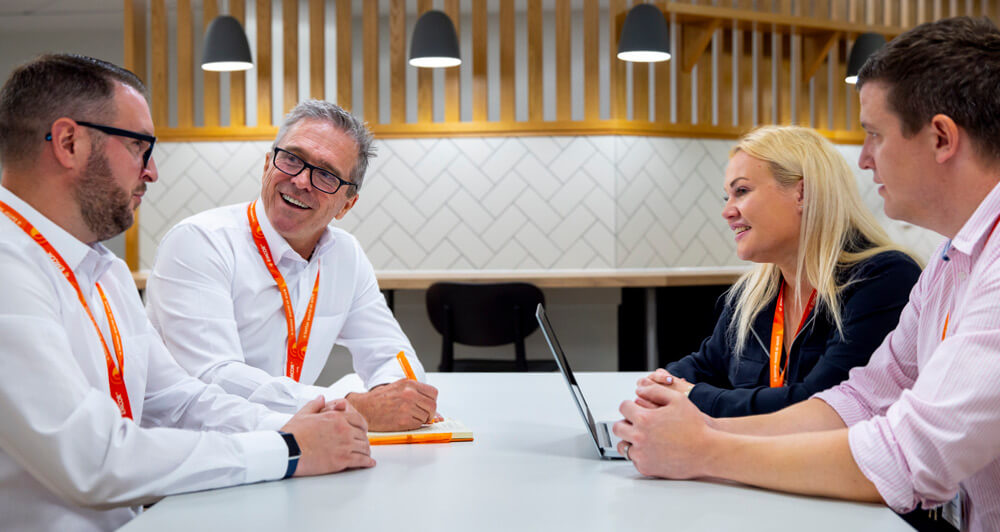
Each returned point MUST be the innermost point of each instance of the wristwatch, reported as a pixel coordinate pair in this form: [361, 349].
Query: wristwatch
[293, 453]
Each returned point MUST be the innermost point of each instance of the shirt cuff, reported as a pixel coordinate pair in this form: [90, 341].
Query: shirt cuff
[880, 459]
[847, 407]
[266, 455]
[274, 421]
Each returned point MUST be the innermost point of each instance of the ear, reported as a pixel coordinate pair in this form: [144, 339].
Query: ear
[267, 162]
[347, 207]
[66, 144]
[945, 136]
[800, 194]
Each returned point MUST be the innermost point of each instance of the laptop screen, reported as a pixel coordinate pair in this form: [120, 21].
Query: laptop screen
[560, 356]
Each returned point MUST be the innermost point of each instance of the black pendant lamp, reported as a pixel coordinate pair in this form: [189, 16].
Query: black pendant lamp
[864, 46]
[645, 38]
[226, 48]
[434, 43]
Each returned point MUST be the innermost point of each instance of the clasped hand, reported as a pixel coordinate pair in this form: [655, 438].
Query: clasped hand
[332, 436]
[402, 405]
[667, 435]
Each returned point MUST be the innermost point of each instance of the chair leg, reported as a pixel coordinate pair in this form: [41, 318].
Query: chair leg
[520, 359]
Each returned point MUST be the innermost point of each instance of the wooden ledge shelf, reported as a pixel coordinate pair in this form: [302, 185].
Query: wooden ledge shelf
[607, 278]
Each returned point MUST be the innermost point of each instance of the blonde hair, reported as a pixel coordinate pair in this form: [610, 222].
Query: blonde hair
[837, 228]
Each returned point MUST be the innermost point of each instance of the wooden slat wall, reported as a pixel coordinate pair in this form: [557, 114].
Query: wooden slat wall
[736, 65]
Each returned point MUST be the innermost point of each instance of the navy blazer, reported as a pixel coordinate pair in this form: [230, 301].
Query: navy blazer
[819, 357]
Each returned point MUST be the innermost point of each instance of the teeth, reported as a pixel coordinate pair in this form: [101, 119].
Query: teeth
[294, 201]
[742, 229]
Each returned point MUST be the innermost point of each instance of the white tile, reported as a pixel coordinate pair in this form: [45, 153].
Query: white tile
[470, 246]
[472, 213]
[538, 246]
[408, 149]
[503, 229]
[476, 149]
[469, 177]
[436, 228]
[436, 194]
[212, 153]
[403, 247]
[688, 159]
[379, 255]
[402, 212]
[369, 229]
[538, 210]
[600, 237]
[436, 161]
[441, 257]
[634, 227]
[574, 155]
[507, 155]
[510, 257]
[396, 175]
[602, 170]
[544, 148]
[506, 193]
[577, 256]
[571, 229]
[570, 195]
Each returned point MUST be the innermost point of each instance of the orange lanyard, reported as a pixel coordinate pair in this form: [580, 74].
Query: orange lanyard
[296, 347]
[116, 379]
[778, 336]
[944, 331]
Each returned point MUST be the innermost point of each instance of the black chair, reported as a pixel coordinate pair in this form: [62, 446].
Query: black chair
[485, 315]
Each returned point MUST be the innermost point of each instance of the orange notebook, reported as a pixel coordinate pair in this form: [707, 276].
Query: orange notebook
[443, 431]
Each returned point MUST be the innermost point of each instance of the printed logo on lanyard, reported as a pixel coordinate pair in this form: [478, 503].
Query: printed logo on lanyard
[116, 377]
[296, 347]
[778, 336]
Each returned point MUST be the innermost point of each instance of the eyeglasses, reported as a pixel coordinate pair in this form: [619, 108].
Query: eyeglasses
[120, 133]
[322, 180]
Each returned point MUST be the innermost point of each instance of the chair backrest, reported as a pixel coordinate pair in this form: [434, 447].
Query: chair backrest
[484, 314]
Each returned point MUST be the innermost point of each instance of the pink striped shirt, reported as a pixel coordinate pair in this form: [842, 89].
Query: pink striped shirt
[924, 414]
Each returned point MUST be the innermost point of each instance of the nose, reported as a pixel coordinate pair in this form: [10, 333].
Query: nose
[865, 161]
[729, 210]
[302, 180]
[150, 174]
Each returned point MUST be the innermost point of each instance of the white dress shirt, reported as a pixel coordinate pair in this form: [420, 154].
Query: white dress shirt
[220, 313]
[68, 459]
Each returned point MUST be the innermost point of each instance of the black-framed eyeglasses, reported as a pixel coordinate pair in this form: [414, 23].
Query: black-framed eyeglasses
[323, 180]
[118, 132]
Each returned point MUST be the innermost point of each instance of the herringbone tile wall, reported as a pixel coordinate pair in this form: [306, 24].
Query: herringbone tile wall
[504, 202]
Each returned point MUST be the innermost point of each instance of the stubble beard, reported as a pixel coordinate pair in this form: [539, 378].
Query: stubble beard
[105, 206]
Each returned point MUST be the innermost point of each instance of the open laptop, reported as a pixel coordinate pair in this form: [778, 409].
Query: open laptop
[604, 439]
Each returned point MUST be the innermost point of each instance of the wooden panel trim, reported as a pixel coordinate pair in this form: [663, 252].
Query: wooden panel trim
[290, 49]
[697, 37]
[158, 89]
[564, 51]
[591, 61]
[397, 61]
[185, 65]
[135, 60]
[618, 100]
[238, 80]
[507, 73]
[371, 90]
[815, 49]
[425, 78]
[264, 95]
[210, 80]
[452, 88]
[536, 91]
[480, 81]
[345, 94]
[317, 49]
[773, 22]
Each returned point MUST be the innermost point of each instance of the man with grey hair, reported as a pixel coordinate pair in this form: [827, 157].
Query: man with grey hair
[253, 296]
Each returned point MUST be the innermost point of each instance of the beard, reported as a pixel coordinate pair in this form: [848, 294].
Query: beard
[104, 205]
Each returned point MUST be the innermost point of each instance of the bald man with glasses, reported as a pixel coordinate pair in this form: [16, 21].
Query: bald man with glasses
[253, 296]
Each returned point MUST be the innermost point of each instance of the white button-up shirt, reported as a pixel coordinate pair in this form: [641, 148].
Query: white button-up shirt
[68, 459]
[220, 313]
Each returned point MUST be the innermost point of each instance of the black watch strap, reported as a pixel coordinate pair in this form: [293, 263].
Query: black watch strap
[293, 453]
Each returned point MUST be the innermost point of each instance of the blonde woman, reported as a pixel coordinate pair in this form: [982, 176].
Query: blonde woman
[828, 285]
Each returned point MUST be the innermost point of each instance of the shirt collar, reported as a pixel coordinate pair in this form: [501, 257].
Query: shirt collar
[280, 249]
[88, 262]
[977, 228]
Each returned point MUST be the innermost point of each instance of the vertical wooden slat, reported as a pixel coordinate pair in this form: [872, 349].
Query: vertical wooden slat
[210, 80]
[135, 60]
[905, 12]
[158, 90]
[684, 100]
[725, 82]
[765, 87]
[507, 111]
[397, 61]
[345, 93]
[370, 34]
[564, 100]
[452, 92]
[745, 85]
[185, 65]
[317, 49]
[290, 47]
[425, 79]
[784, 89]
[821, 95]
[705, 85]
[889, 10]
[591, 61]
[535, 87]
[480, 82]
[662, 70]
[263, 62]
[923, 11]
[840, 88]
[237, 80]
[616, 68]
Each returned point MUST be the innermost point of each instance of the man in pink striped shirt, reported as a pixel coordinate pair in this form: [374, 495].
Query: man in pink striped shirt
[920, 424]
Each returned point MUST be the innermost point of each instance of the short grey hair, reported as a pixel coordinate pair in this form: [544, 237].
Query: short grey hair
[339, 118]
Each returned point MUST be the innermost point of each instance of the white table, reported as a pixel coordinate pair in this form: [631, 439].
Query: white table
[532, 466]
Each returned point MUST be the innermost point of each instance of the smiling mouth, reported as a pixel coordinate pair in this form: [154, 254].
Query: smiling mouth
[742, 230]
[294, 202]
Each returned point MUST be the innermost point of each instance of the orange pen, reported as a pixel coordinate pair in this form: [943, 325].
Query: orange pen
[401, 357]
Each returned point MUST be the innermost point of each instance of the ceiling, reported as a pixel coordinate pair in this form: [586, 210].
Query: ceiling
[33, 15]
